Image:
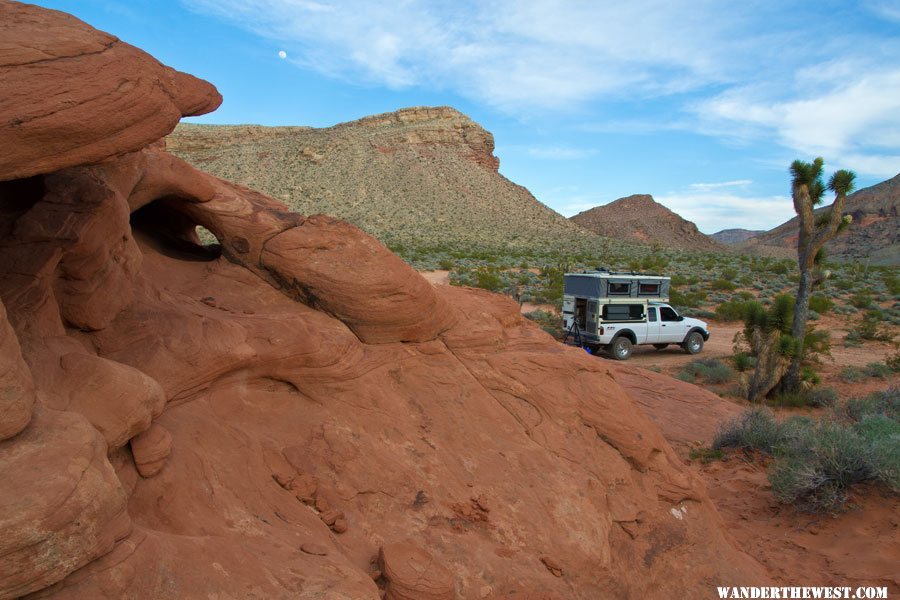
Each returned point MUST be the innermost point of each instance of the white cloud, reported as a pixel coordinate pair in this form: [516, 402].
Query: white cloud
[719, 185]
[526, 55]
[747, 72]
[847, 113]
[713, 211]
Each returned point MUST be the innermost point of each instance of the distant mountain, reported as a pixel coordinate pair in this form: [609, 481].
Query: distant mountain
[418, 177]
[735, 236]
[874, 234]
[640, 218]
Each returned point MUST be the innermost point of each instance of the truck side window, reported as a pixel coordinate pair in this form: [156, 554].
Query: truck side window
[651, 314]
[667, 314]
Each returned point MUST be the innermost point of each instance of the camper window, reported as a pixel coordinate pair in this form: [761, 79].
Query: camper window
[623, 312]
[649, 289]
[619, 289]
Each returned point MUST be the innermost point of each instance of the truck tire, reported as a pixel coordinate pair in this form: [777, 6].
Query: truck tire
[693, 343]
[660, 346]
[620, 348]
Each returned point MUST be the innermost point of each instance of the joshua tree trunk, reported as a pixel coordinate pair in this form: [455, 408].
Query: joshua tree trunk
[770, 365]
[807, 192]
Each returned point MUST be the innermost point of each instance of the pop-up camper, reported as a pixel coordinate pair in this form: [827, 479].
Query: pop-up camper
[618, 310]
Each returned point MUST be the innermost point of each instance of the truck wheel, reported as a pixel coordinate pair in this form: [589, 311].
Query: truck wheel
[693, 343]
[620, 348]
[660, 346]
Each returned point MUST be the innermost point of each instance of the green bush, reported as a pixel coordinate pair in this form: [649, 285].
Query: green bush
[733, 310]
[885, 403]
[820, 304]
[877, 369]
[817, 461]
[709, 370]
[822, 397]
[549, 322]
[722, 284]
[706, 455]
[871, 326]
[686, 299]
[851, 374]
[861, 299]
[755, 429]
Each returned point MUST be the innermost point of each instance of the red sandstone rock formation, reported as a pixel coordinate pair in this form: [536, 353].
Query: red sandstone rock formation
[324, 406]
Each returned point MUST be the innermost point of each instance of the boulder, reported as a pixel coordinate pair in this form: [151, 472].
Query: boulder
[74, 95]
[16, 386]
[61, 504]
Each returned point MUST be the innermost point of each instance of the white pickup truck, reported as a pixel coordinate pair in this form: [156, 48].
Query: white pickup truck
[660, 326]
[617, 311]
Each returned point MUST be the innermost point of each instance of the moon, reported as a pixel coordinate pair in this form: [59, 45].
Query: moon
[282, 54]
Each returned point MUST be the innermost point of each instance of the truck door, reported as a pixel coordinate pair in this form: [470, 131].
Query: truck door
[672, 329]
[652, 325]
[591, 320]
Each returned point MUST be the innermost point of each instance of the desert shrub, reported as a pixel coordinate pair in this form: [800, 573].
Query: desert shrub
[446, 264]
[709, 370]
[706, 455]
[733, 310]
[755, 429]
[488, 280]
[729, 274]
[678, 280]
[851, 374]
[871, 326]
[892, 283]
[844, 284]
[686, 299]
[722, 284]
[779, 268]
[885, 403]
[818, 464]
[817, 461]
[877, 369]
[853, 339]
[820, 304]
[822, 397]
[893, 361]
[549, 322]
[861, 299]
[791, 399]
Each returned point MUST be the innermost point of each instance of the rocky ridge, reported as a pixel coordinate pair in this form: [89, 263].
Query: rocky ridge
[734, 236]
[423, 176]
[640, 218]
[294, 412]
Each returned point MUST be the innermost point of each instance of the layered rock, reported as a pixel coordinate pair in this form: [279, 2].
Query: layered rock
[294, 412]
[51, 115]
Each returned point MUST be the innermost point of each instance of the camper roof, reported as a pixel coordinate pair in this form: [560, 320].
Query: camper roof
[604, 274]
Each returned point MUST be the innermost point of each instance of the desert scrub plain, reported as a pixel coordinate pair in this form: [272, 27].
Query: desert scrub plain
[855, 319]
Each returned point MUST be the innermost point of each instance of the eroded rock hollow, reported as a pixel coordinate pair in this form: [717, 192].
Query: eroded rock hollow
[294, 412]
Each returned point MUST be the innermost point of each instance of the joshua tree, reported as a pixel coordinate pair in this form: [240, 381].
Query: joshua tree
[807, 191]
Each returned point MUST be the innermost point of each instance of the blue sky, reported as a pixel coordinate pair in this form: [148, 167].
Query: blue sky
[701, 103]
